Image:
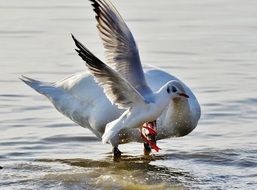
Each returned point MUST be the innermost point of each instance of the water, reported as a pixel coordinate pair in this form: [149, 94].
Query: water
[211, 45]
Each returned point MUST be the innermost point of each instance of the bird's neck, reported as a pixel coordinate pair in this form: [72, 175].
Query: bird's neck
[162, 99]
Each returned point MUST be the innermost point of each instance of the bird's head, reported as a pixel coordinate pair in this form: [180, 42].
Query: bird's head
[176, 90]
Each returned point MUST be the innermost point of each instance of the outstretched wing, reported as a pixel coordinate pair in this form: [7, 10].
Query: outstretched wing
[116, 88]
[120, 47]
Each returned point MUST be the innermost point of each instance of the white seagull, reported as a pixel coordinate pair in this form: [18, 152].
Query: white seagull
[140, 107]
[115, 100]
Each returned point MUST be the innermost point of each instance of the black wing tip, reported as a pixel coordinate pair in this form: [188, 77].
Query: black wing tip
[84, 53]
[78, 44]
[74, 39]
[94, 3]
[96, 7]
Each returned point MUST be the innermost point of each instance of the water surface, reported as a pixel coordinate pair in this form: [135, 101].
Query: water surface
[211, 45]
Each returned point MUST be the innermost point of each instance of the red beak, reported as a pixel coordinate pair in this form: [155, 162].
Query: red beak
[184, 95]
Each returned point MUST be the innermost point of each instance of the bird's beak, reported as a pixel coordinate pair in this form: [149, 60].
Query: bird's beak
[184, 95]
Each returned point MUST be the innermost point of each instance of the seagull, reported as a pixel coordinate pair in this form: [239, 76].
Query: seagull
[122, 101]
[139, 107]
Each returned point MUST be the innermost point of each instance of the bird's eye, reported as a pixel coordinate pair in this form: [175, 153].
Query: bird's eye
[174, 89]
[168, 89]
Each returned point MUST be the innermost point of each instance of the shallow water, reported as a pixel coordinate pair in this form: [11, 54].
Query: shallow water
[211, 45]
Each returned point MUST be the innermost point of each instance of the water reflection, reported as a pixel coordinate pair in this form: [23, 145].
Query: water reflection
[131, 172]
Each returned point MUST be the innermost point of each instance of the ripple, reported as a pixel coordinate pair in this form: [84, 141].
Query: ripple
[226, 157]
[18, 154]
[247, 101]
[12, 95]
[58, 125]
[173, 52]
[27, 108]
[66, 139]
[44, 7]
[20, 32]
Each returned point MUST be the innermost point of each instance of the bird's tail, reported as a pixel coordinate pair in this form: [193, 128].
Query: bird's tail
[41, 87]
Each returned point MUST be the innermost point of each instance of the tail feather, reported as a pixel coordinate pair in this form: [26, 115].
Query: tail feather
[41, 87]
[63, 101]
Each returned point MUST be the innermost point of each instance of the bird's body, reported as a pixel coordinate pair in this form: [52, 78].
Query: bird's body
[81, 99]
[114, 100]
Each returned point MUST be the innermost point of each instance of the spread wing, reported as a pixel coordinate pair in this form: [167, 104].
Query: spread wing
[120, 47]
[116, 88]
